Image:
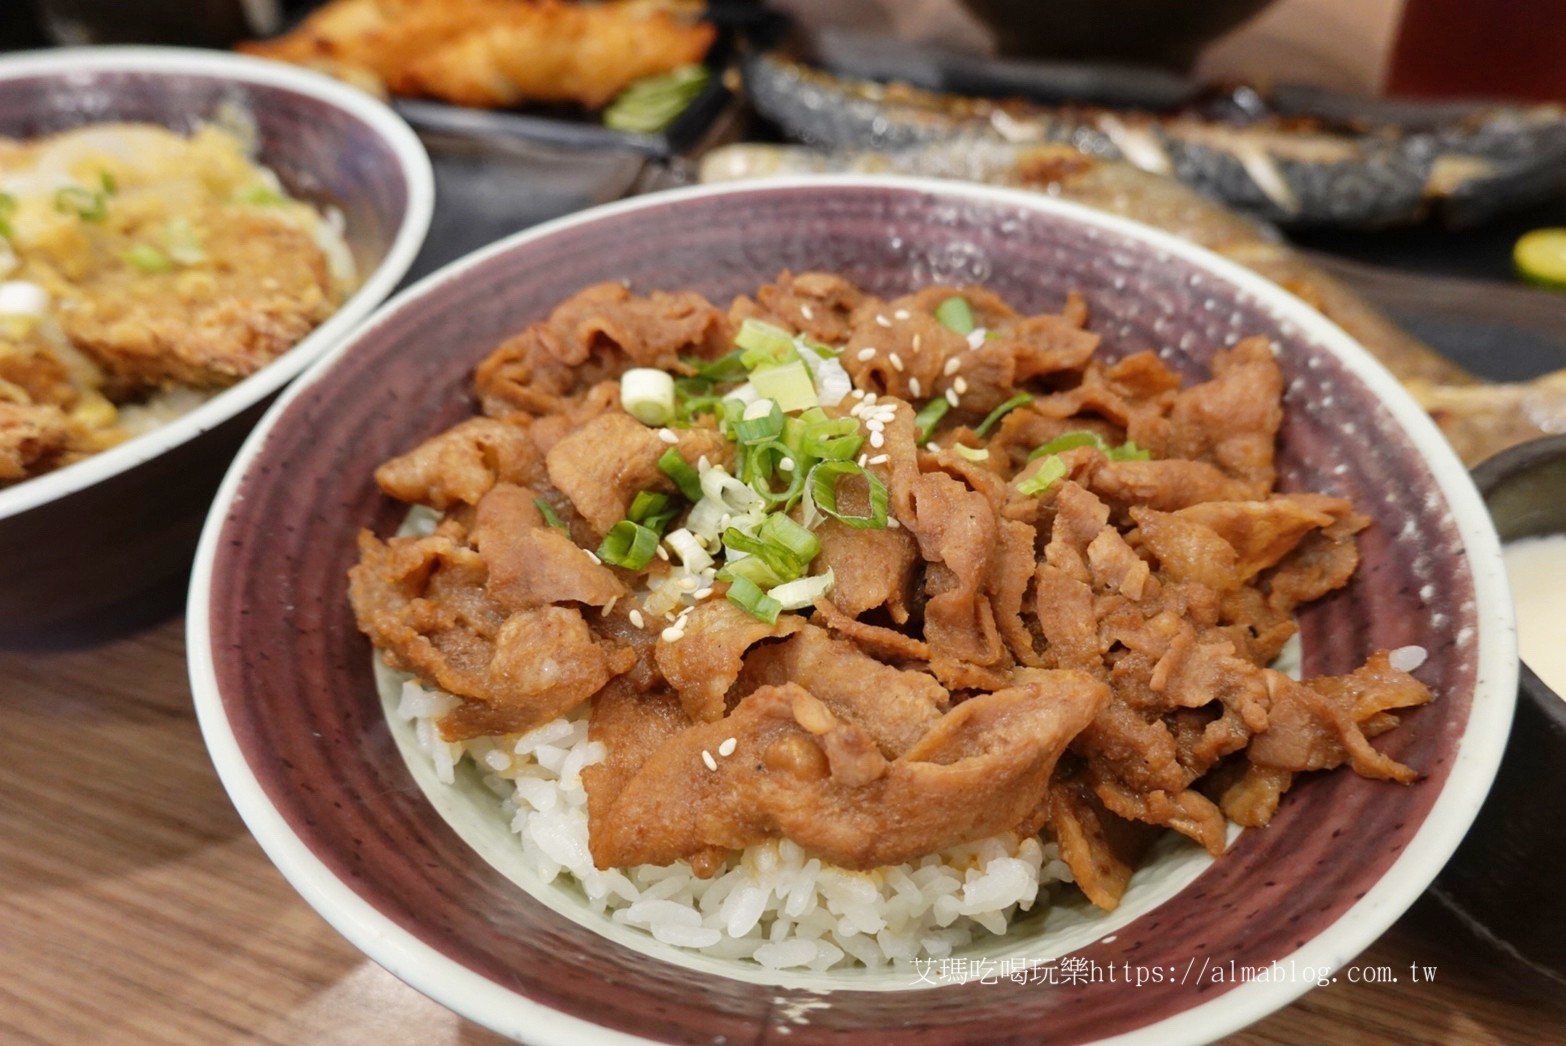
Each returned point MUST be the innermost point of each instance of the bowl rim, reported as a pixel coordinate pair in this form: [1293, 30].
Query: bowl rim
[412, 160]
[1474, 764]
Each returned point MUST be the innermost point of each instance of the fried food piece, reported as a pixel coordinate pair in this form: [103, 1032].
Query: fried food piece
[493, 53]
[265, 286]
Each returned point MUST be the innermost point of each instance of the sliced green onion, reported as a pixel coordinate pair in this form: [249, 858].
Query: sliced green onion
[788, 384]
[183, 244]
[7, 209]
[652, 103]
[804, 592]
[1127, 451]
[994, 416]
[722, 369]
[955, 314]
[796, 474]
[762, 343]
[646, 503]
[678, 469]
[629, 545]
[147, 258]
[647, 394]
[929, 416]
[547, 510]
[1052, 470]
[107, 181]
[260, 196]
[761, 422]
[784, 563]
[783, 532]
[751, 568]
[971, 453]
[744, 594]
[86, 204]
[821, 489]
[683, 543]
[833, 439]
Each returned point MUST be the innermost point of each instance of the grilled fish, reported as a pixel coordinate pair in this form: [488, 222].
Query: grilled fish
[1288, 170]
[1478, 418]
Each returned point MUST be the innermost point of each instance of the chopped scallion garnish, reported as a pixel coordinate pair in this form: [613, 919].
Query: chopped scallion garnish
[955, 314]
[7, 209]
[821, 490]
[761, 422]
[260, 196]
[994, 416]
[782, 531]
[1051, 470]
[789, 385]
[678, 469]
[929, 416]
[147, 258]
[745, 594]
[762, 344]
[971, 453]
[647, 394]
[1127, 451]
[629, 545]
[648, 505]
[803, 592]
[832, 439]
[86, 204]
[724, 368]
[547, 510]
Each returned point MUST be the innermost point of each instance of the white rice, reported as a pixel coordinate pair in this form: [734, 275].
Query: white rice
[772, 904]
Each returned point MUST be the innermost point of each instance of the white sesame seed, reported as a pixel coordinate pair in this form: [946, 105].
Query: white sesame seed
[786, 464]
[866, 353]
[902, 314]
[862, 459]
[668, 436]
[914, 387]
[592, 555]
[916, 340]
[702, 464]
[703, 593]
[877, 440]
[869, 399]
[687, 584]
[951, 366]
[668, 615]
[663, 553]
[609, 606]
[883, 321]
[709, 572]
[896, 361]
[961, 385]
[891, 523]
[934, 448]
[706, 757]
[726, 749]
[976, 337]
[875, 424]
[880, 459]
[687, 612]
[637, 620]
[807, 312]
[671, 634]
[951, 396]
[858, 394]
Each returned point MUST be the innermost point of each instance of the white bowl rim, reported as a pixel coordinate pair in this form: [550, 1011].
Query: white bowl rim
[412, 160]
[473, 996]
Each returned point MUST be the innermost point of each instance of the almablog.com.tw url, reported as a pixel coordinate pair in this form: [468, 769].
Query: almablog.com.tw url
[1076, 971]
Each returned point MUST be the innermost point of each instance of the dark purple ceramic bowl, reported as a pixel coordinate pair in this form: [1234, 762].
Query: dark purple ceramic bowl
[287, 701]
[107, 528]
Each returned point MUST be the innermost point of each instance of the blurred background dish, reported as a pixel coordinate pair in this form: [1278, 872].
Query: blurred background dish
[105, 528]
[1518, 844]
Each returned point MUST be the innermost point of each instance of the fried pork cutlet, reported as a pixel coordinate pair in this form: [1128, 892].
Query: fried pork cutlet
[265, 286]
[493, 53]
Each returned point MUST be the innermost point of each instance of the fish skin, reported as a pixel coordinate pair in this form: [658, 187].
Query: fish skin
[1283, 171]
[1478, 418]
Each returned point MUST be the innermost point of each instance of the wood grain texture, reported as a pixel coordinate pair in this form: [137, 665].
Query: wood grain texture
[134, 907]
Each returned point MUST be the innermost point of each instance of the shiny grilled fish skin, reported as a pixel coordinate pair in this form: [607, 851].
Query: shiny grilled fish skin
[1478, 418]
[1285, 171]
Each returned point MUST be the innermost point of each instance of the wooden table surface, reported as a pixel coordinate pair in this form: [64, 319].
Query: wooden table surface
[135, 908]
